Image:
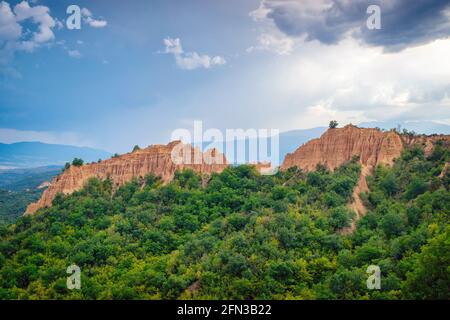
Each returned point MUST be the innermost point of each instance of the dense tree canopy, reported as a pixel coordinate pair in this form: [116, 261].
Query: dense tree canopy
[241, 235]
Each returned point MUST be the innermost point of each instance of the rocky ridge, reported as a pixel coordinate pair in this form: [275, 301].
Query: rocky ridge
[372, 146]
[335, 147]
[156, 159]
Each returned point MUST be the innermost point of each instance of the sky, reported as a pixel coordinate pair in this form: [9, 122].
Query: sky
[137, 70]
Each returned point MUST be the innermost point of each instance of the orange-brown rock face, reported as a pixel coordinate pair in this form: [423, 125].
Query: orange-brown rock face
[427, 142]
[374, 147]
[337, 146]
[156, 159]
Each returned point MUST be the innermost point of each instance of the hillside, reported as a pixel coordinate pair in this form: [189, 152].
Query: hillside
[155, 159]
[38, 154]
[20, 187]
[27, 178]
[14, 203]
[242, 235]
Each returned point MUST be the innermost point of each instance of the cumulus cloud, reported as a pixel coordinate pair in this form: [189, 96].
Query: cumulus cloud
[14, 38]
[89, 19]
[40, 16]
[404, 23]
[356, 83]
[190, 60]
[282, 45]
[74, 54]
[9, 28]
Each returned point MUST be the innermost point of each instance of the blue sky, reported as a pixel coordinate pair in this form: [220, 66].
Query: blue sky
[139, 69]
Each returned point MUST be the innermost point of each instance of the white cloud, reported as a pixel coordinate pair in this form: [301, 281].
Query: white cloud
[173, 46]
[12, 36]
[94, 23]
[9, 28]
[74, 54]
[317, 83]
[279, 44]
[39, 15]
[190, 60]
[270, 38]
[260, 13]
[354, 83]
[59, 24]
[86, 12]
[218, 60]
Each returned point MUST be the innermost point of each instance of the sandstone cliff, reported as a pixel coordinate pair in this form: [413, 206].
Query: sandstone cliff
[332, 149]
[337, 146]
[161, 160]
[372, 146]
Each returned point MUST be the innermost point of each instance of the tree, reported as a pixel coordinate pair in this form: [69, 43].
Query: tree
[392, 224]
[430, 275]
[240, 236]
[389, 184]
[77, 162]
[416, 187]
[340, 218]
[136, 148]
[333, 124]
[151, 180]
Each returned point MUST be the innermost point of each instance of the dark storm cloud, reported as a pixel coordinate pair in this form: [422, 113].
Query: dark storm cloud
[404, 23]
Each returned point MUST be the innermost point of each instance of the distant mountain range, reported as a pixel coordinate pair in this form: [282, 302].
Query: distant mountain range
[291, 140]
[38, 154]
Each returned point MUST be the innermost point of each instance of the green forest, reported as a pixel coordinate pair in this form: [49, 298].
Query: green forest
[14, 203]
[20, 187]
[240, 235]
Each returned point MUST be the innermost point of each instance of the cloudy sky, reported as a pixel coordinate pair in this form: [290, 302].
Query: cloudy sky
[137, 70]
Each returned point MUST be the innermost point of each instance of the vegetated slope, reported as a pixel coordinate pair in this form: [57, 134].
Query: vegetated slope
[19, 188]
[242, 236]
[30, 178]
[156, 159]
[372, 147]
[13, 203]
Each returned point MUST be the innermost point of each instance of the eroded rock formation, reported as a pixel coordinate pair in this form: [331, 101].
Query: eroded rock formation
[161, 160]
[332, 149]
[372, 146]
[337, 146]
